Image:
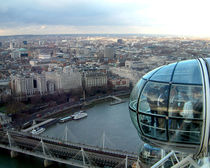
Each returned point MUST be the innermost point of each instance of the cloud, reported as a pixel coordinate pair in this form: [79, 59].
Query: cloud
[2, 32]
[67, 12]
[42, 27]
[137, 16]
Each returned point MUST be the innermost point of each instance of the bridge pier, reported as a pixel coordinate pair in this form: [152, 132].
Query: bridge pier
[34, 122]
[13, 154]
[126, 161]
[47, 163]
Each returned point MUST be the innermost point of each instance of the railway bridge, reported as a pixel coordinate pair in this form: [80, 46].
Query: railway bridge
[75, 154]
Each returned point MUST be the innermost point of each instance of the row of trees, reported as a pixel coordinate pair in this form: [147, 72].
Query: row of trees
[23, 104]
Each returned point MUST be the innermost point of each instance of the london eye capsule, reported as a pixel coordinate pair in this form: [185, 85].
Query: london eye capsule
[170, 106]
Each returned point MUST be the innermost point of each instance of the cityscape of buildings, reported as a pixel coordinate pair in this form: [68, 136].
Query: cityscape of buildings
[98, 67]
[45, 74]
[31, 65]
[75, 66]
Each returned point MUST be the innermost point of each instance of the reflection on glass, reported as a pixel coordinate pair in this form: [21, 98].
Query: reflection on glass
[187, 72]
[149, 74]
[186, 101]
[154, 98]
[164, 74]
[135, 94]
[153, 101]
[187, 132]
[152, 129]
[185, 107]
[133, 116]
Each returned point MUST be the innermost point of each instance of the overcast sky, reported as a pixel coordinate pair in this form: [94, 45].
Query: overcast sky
[181, 17]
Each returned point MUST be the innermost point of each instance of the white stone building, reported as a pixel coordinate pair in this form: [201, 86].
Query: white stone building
[132, 75]
[95, 79]
[65, 80]
[28, 84]
[134, 64]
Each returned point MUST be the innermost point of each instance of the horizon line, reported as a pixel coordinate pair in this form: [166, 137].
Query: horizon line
[137, 34]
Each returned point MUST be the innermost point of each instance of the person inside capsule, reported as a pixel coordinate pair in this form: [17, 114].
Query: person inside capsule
[175, 106]
[192, 109]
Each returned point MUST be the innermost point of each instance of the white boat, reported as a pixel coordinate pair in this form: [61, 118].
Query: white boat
[37, 131]
[79, 116]
[78, 112]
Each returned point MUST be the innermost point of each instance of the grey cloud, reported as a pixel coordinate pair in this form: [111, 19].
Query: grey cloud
[75, 13]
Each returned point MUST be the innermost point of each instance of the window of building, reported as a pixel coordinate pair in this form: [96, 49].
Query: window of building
[35, 83]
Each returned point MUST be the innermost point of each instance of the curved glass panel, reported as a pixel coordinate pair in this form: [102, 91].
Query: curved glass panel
[186, 132]
[164, 74]
[149, 74]
[208, 63]
[154, 98]
[150, 129]
[153, 101]
[185, 113]
[135, 94]
[208, 60]
[186, 101]
[133, 116]
[187, 72]
[145, 123]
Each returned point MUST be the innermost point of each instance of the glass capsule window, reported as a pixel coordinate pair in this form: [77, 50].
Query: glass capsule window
[133, 102]
[153, 109]
[133, 116]
[149, 74]
[185, 113]
[135, 94]
[187, 72]
[154, 98]
[164, 74]
[170, 103]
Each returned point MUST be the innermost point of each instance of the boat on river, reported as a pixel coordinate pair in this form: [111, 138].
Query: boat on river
[62, 120]
[37, 131]
[79, 115]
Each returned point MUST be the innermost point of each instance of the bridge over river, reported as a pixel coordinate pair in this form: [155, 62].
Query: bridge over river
[75, 154]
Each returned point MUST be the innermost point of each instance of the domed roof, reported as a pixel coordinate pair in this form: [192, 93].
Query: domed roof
[186, 72]
[23, 50]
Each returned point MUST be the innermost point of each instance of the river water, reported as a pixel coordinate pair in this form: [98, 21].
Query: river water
[112, 122]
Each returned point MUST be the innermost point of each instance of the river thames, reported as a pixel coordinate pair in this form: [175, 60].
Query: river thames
[112, 122]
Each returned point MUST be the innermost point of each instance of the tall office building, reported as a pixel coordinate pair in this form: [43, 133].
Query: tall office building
[120, 41]
[11, 45]
[25, 42]
[109, 52]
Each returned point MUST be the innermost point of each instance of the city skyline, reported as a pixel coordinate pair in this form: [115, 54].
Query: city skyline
[91, 17]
